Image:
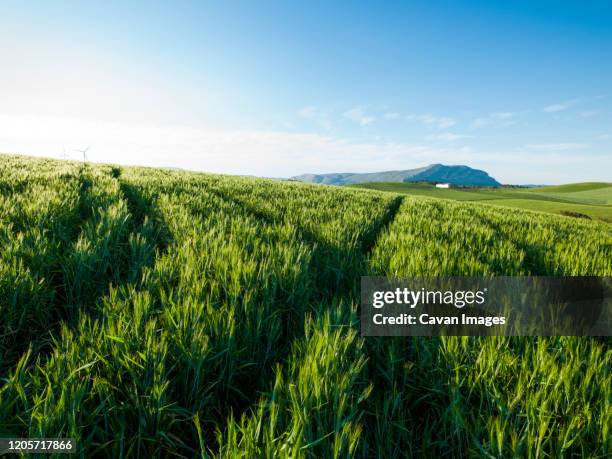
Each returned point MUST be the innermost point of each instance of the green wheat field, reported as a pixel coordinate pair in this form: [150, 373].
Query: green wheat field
[158, 313]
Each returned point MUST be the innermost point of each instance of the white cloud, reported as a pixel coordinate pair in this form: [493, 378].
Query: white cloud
[446, 137]
[444, 123]
[233, 151]
[316, 115]
[391, 115]
[276, 153]
[432, 121]
[556, 108]
[481, 122]
[359, 116]
[556, 146]
[308, 112]
[494, 119]
[502, 115]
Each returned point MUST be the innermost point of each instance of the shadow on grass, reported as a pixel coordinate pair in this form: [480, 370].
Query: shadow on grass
[94, 252]
[333, 271]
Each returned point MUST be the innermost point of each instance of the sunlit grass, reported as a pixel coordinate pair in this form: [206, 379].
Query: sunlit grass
[153, 313]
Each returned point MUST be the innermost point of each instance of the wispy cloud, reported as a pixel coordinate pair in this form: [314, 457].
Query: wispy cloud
[444, 123]
[481, 122]
[556, 146]
[391, 115]
[359, 116]
[318, 116]
[269, 153]
[502, 115]
[560, 106]
[275, 153]
[307, 112]
[446, 137]
[556, 108]
[494, 119]
[432, 120]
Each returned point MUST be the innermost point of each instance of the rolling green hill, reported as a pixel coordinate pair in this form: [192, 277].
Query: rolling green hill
[591, 199]
[585, 193]
[157, 313]
[572, 187]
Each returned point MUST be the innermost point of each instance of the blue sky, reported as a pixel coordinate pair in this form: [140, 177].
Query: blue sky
[520, 89]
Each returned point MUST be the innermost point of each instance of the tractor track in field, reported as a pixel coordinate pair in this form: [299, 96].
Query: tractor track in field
[367, 243]
[385, 222]
[327, 259]
[122, 265]
[68, 310]
[43, 337]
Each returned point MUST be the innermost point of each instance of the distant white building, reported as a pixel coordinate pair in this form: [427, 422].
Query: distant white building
[443, 185]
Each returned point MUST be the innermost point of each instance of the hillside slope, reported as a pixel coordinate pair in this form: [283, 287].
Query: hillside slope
[572, 187]
[594, 203]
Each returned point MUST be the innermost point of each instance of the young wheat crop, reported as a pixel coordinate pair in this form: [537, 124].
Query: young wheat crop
[151, 313]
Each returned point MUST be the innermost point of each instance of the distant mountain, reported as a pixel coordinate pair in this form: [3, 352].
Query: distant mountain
[438, 173]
